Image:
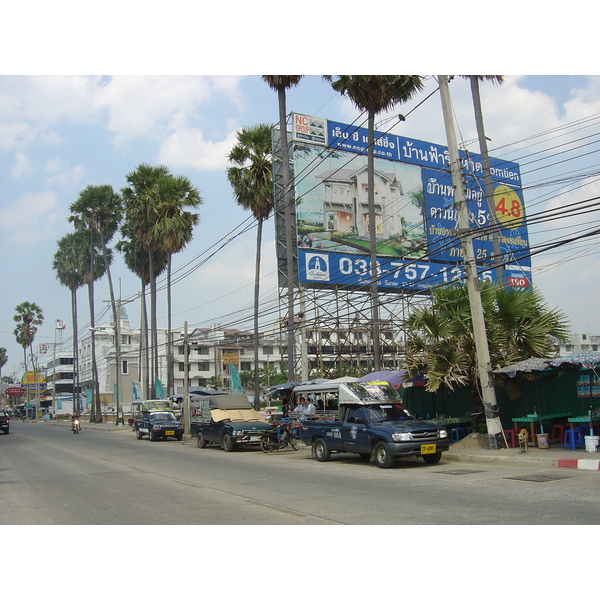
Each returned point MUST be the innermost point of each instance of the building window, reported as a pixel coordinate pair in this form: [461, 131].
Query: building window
[268, 350]
[181, 367]
[203, 366]
[124, 367]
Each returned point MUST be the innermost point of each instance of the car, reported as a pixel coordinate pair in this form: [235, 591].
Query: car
[4, 422]
[158, 424]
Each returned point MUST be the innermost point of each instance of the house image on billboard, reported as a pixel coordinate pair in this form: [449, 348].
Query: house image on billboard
[346, 204]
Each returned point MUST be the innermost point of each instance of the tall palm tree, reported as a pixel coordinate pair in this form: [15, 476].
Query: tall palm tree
[98, 209]
[172, 231]
[485, 158]
[281, 83]
[137, 260]
[71, 265]
[28, 316]
[251, 177]
[440, 338]
[140, 200]
[374, 94]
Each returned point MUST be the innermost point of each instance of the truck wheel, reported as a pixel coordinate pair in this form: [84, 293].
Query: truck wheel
[179, 437]
[227, 443]
[383, 458]
[322, 452]
[200, 440]
[138, 434]
[151, 436]
[432, 459]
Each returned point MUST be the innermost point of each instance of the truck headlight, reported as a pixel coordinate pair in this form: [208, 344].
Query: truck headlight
[443, 433]
[401, 437]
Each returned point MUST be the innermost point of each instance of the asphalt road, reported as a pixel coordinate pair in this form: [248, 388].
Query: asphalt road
[50, 476]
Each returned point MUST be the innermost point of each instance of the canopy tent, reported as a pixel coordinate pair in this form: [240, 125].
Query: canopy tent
[525, 366]
[394, 378]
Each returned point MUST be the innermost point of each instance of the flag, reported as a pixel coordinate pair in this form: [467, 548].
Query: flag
[160, 392]
[235, 382]
[137, 390]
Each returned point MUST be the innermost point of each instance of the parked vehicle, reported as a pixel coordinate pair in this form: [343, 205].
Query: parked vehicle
[278, 438]
[4, 422]
[373, 422]
[228, 421]
[157, 424]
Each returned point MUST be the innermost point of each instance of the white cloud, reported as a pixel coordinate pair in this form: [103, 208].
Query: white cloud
[30, 218]
[22, 166]
[62, 174]
[188, 148]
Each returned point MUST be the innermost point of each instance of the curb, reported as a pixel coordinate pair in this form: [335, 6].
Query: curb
[579, 463]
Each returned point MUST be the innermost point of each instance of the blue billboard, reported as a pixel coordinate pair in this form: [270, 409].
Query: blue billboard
[415, 218]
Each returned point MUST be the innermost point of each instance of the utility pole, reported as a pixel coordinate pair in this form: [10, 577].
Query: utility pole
[186, 380]
[483, 360]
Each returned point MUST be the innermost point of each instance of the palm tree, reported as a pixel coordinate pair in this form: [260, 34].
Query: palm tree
[137, 260]
[252, 182]
[140, 200]
[28, 316]
[281, 83]
[71, 265]
[440, 338]
[485, 158]
[99, 210]
[374, 94]
[171, 232]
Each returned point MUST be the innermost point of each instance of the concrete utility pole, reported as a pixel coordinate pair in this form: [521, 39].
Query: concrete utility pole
[186, 380]
[466, 239]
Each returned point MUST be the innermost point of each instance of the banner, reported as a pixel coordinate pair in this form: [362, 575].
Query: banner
[235, 381]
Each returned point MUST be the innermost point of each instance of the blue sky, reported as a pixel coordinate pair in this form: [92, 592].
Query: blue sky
[61, 133]
[61, 130]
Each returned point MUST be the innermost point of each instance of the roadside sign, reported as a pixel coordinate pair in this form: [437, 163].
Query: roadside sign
[15, 391]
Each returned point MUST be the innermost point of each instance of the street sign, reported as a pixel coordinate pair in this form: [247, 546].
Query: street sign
[15, 391]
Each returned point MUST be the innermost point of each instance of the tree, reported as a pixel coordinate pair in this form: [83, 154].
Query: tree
[28, 316]
[171, 232]
[252, 182]
[99, 210]
[374, 94]
[71, 265]
[440, 340]
[140, 201]
[137, 261]
[3, 360]
[281, 83]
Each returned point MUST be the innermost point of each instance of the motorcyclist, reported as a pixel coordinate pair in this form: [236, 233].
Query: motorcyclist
[74, 418]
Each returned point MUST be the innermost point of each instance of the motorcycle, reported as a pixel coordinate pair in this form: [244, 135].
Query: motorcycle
[277, 439]
[75, 426]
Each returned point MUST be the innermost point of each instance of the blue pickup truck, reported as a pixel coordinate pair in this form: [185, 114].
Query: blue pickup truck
[373, 422]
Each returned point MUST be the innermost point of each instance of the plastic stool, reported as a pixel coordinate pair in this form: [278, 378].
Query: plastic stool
[456, 434]
[558, 432]
[511, 437]
[573, 439]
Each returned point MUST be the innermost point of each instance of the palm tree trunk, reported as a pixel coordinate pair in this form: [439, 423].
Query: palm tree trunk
[487, 176]
[116, 318]
[96, 412]
[373, 243]
[256, 304]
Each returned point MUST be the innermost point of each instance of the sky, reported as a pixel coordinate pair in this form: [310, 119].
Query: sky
[62, 129]
[63, 132]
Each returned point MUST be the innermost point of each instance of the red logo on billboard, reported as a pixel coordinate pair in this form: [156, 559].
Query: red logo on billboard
[518, 282]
